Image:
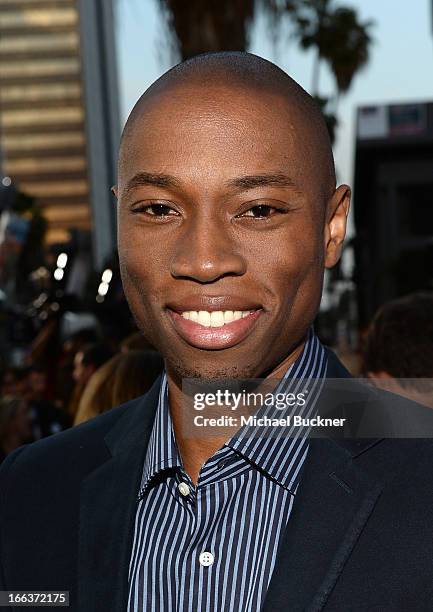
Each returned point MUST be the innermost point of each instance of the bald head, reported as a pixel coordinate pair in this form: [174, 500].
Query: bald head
[256, 78]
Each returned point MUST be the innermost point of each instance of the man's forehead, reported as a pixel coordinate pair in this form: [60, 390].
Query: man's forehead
[222, 121]
[232, 74]
[193, 101]
[270, 117]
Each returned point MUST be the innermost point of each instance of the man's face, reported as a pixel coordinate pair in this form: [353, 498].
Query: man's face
[38, 383]
[221, 209]
[81, 372]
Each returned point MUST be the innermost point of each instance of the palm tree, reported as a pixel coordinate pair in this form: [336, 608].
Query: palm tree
[338, 37]
[336, 34]
[198, 26]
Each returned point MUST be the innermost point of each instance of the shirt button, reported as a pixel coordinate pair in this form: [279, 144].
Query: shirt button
[206, 559]
[183, 489]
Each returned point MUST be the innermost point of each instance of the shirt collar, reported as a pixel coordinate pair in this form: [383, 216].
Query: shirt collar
[280, 453]
[162, 452]
[280, 457]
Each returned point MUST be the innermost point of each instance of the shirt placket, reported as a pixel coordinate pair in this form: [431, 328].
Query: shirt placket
[200, 554]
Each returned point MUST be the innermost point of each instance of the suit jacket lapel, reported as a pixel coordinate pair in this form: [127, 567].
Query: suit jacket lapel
[333, 502]
[108, 505]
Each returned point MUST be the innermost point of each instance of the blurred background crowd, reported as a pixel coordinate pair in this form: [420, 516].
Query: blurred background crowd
[70, 72]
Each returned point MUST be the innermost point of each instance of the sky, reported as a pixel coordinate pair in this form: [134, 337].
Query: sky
[400, 67]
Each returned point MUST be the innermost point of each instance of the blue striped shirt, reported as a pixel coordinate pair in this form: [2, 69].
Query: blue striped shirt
[213, 547]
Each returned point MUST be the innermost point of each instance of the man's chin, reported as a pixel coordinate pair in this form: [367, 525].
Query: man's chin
[180, 371]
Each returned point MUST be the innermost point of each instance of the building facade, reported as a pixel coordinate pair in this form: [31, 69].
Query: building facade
[393, 203]
[59, 117]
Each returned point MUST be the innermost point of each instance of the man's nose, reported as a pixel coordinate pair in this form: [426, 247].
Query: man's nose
[206, 252]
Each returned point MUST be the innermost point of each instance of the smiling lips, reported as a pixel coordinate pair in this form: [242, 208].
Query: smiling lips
[214, 329]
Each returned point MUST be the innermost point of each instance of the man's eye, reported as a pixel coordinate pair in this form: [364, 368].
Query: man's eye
[156, 210]
[261, 211]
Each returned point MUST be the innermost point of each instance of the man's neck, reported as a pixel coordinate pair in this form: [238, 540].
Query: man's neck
[196, 451]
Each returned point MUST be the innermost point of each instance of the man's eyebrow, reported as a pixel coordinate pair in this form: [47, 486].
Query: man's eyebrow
[150, 178]
[243, 183]
[260, 180]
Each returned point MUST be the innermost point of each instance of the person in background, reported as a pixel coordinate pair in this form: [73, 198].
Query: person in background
[15, 425]
[47, 419]
[398, 347]
[14, 382]
[123, 378]
[30, 384]
[86, 361]
[135, 342]
[64, 383]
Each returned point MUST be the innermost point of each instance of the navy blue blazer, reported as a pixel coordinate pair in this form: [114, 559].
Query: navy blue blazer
[359, 537]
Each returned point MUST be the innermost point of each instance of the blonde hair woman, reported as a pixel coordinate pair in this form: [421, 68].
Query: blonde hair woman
[124, 377]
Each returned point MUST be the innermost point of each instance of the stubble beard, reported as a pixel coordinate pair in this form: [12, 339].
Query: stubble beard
[178, 369]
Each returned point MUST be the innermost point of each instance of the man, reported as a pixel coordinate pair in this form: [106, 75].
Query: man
[398, 347]
[86, 361]
[228, 215]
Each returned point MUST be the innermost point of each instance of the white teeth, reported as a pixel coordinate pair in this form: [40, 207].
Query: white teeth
[228, 316]
[204, 318]
[217, 318]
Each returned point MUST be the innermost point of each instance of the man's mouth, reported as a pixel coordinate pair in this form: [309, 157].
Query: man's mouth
[214, 329]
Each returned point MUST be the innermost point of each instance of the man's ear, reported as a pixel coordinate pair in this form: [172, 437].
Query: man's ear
[115, 190]
[335, 225]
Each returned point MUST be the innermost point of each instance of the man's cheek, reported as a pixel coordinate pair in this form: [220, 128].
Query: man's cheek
[292, 268]
[134, 287]
[143, 292]
[299, 280]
